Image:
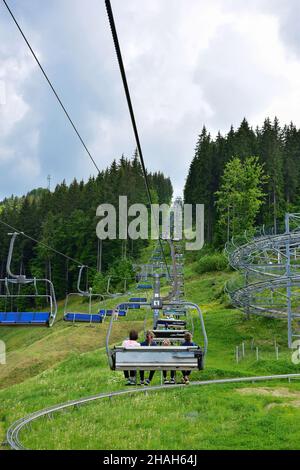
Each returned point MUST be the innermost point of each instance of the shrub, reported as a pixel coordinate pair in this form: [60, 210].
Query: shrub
[212, 262]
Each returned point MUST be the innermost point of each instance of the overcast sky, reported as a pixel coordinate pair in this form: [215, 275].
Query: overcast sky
[189, 63]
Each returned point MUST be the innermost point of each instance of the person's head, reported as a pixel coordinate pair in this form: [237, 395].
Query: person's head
[188, 337]
[149, 336]
[133, 335]
[166, 342]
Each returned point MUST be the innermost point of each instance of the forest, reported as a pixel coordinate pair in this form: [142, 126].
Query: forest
[248, 178]
[65, 220]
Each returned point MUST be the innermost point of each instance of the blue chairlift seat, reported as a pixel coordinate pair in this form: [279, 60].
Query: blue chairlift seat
[121, 307]
[122, 313]
[138, 299]
[24, 318]
[83, 317]
[108, 313]
[132, 306]
[144, 286]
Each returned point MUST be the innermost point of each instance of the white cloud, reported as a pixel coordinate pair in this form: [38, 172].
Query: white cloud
[13, 72]
[189, 63]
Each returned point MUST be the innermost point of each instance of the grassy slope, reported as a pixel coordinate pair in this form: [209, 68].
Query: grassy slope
[49, 366]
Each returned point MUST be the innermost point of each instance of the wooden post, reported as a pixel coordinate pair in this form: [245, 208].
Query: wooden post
[237, 354]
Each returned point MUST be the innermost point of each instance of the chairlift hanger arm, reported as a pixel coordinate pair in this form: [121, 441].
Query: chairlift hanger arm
[19, 278]
[82, 292]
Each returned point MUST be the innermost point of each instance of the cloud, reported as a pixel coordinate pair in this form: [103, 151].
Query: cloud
[237, 74]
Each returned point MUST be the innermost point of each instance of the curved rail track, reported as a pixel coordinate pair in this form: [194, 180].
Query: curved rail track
[270, 282]
[263, 263]
[13, 433]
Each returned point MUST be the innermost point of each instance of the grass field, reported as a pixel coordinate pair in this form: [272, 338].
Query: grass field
[48, 366]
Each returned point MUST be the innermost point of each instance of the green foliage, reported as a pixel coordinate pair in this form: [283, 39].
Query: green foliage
[277, 149]
[66, 221]
[212, 262]
[240, 196]
[50, 366]
[99, 283]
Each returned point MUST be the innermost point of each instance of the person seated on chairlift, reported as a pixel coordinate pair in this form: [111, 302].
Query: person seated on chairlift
[127, 344]
[170, 316]
[167, 342]
[149, 341]
[188, 341]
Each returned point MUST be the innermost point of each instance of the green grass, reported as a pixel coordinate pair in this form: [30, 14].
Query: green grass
[48, 366]
[206, 418]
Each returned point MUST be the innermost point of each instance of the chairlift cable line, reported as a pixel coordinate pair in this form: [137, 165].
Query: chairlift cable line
[131, 112]
[42, 243]
[52, 87]
[79, 263]
[109, 10]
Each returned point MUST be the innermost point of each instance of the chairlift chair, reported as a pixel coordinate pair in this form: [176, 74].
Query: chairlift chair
[112, 294]
[26, 318]
[159, 358]
[87, 316]
[144, 286]
[120, 311]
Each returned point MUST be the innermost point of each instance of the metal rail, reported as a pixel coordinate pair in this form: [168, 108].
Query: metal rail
[270, 265]
[13, 433]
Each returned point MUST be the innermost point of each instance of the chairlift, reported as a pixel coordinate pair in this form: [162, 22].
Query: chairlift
[138, 299]
[121, 311]
[14, 317]
[159, 358]
[87, 316]
[118, 294]
[144, 286]
[170, 323]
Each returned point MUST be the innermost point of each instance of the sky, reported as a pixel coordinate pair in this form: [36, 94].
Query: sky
[189, 63]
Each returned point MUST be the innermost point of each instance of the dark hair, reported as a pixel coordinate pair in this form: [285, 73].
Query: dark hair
[133, 335]
[188, 337]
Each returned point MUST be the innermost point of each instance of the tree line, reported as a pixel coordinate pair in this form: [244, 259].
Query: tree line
[247, 178]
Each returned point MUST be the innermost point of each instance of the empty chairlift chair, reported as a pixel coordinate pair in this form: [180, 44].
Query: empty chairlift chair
[11, 293]
[87, 316]
[117, 294]
[144, 286]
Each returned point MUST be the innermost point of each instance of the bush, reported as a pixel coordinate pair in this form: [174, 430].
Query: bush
[212, 262]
